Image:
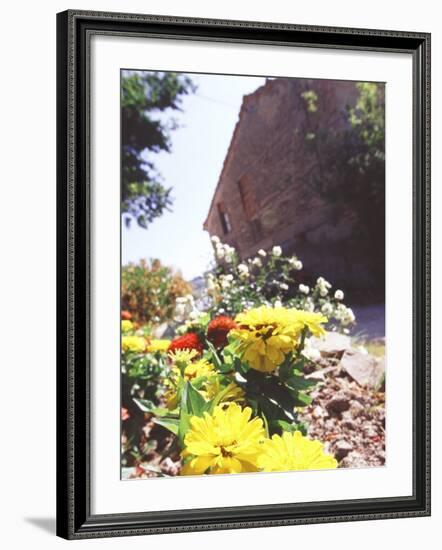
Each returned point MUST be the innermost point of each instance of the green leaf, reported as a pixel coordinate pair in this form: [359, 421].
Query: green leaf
[303, 399]
[271, 388]
[240, 367]
[253, 404]
[192, 404]
[283, 426]
[171, 424]
[148, 407]
[218, 398]
[266, 424]
[196, 404]
[300, 383]
[286, 368]
[215, 357]
[273, 410]
[199, 381]
[204, 320]
[184, 420]
[280, 426]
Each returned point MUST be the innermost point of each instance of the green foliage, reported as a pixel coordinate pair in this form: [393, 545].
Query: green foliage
[145, 97]
[141, 376]
[148, 406]
[367, 117]
[149, 291]
[171, 424]
[311, 99]
[192, 404]
[368, 159]
[349, 168]
[349, 149]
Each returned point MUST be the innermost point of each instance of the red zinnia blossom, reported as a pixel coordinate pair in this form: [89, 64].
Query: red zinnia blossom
[218, 329]
[187, 341]
[126, 315]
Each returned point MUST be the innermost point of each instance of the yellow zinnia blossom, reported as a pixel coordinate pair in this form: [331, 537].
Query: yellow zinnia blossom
[225, 442]
[293, 451]
[197, 369]
[267, 334]
[312, 321]
[232, 392]
[158, 346]
[182, 357]
[189, 372]
[171, 396]
[126, 326]
[136, 344]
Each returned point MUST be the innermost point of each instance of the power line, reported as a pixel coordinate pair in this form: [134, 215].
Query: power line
[213, 100]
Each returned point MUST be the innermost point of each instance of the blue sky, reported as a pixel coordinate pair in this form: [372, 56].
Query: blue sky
[199, 147]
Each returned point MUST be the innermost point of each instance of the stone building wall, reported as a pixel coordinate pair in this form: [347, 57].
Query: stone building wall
[262, 198]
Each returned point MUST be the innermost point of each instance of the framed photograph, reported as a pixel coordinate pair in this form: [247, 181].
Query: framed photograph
[243, 274]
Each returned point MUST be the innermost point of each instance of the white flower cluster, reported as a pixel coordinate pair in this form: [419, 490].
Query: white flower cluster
[327, 309]
[295, 263]
[323, 286]
[304, 289]
[243, 271]
[225, 281]
[339, 295]
[345, 315]
[266, 279]
[211, 282]
[223, 251]
[185, 309]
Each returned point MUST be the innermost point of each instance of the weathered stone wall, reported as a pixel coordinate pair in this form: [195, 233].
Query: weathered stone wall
[276, 205]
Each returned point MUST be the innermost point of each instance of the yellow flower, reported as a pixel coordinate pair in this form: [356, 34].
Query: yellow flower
[267, 334]
[182, 357]
[126, 326]
[158, 346]
[171, 396]
[310, 320]
[188, 372]
[226, 442]
[136, 344]
[293, 451]
[197, 369]
[231, 392]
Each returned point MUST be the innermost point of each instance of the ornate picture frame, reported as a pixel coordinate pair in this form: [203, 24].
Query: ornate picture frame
[75, 519]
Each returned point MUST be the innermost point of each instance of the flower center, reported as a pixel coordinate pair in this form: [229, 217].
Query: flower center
[264, 330]
[224, 452]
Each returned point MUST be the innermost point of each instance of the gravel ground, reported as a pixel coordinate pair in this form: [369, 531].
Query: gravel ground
[348, 418]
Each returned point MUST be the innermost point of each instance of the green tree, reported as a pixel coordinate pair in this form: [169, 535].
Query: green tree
[348, 147]
[368, 153]
[145, 131]
[348, 169]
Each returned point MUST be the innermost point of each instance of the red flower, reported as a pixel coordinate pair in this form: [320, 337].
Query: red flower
[218, 329]
[187, 341]
[124, 414]
[126, 315]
